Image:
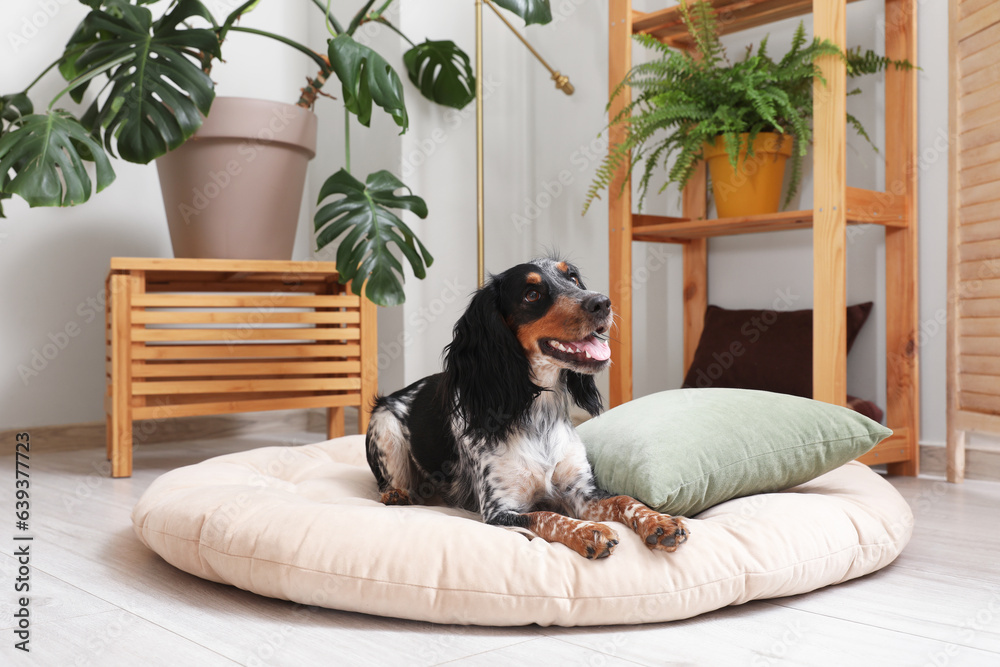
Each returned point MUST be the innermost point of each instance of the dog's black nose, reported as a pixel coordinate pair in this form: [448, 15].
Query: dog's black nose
[597, 304]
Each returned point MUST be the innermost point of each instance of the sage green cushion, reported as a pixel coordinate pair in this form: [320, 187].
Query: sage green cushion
[683, 451]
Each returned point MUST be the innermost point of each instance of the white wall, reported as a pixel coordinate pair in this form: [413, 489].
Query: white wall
[527, 212]
[55, 260]
[541, 150]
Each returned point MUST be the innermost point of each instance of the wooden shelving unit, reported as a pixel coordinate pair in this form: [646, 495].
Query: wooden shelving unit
[834, 207]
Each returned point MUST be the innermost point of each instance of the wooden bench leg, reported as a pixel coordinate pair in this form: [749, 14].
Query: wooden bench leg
[120, 431]
[107, 435]
[334, 422]
[121, 443]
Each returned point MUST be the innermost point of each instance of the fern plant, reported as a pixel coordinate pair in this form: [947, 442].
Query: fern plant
[683, 100]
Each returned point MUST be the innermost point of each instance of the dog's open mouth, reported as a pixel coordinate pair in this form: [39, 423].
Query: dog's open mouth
[592, 349]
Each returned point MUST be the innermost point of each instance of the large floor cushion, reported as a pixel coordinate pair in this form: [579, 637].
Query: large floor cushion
[305, 524]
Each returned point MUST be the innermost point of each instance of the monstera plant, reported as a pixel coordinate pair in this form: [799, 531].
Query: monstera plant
[156, 88]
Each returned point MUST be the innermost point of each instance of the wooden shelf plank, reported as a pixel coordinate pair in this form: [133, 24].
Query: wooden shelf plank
[644, 220]
[876, 208]
[243, 385]
[245, 317]
[171, 264]
[228, 407]
[893, 449]
[734, 15]
[221, 369]
[215, 351]
[235, 336]
[269, 302]
[694, 229]
[863, 207]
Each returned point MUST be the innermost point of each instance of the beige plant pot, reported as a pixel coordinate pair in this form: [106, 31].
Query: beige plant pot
[234, 189]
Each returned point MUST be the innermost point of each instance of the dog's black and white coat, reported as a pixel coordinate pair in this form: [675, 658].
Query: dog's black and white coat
[492, 433]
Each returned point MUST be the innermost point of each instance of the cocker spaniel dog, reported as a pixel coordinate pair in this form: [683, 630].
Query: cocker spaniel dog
[492, 433]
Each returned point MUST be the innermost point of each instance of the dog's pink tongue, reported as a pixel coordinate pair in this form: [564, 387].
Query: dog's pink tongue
[598, 348]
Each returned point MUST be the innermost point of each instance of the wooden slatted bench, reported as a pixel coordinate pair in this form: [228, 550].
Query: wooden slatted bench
[188, 337]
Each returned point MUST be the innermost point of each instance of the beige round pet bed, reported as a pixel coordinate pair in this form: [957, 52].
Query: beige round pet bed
[305, 524]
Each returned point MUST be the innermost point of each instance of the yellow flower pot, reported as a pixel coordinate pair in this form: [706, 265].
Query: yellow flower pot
[754, 187]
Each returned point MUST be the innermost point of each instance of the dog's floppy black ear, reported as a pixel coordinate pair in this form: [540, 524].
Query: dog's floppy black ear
[583, 389]
[486, 373]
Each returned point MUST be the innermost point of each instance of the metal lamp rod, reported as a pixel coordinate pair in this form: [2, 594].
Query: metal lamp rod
[480, 204]
[562, 81]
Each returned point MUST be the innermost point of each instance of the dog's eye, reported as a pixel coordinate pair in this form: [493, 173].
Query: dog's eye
[532, 295]
[575, 279]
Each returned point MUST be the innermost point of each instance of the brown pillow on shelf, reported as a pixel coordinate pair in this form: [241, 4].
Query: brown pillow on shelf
[867, 408]
[762, 349]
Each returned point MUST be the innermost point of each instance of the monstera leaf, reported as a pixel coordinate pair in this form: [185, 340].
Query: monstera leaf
[364, 214]
[46, 153]
[366, 77]
[532, 11]
[96, 4]
[14, 107]
[4, 180]
[156, 95]
[442, 72]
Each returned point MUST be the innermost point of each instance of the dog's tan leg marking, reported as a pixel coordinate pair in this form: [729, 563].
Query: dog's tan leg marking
[658, 531]
[589, 539]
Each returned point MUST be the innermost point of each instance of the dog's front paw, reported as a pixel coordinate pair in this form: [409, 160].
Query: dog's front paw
[661, 531]
[396, 497]
[593, 540]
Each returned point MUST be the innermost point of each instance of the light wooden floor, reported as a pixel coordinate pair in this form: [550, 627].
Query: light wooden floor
[100, 598]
